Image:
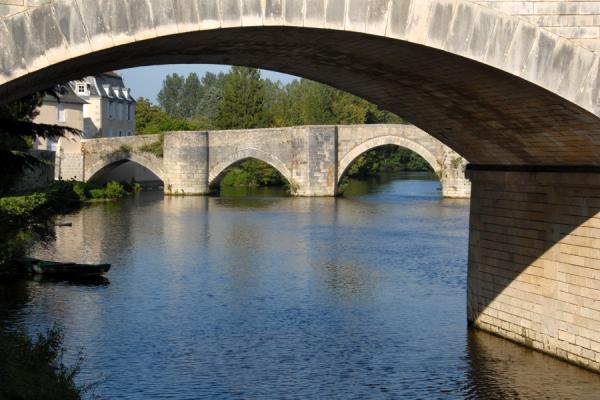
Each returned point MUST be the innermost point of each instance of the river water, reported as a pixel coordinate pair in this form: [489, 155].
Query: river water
[267, 297]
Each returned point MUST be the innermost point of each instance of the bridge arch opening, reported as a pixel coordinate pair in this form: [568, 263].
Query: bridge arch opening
[382, 164]
[406, 151]
[128, 171]
[245, 175]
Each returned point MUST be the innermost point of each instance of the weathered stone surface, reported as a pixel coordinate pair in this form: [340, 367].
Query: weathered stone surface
[313, 159]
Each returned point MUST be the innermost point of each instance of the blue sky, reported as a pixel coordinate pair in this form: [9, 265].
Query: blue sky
[147, 81]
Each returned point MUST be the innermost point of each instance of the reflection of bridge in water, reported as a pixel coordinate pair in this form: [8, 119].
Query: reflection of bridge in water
[518, 101]
[313, 159]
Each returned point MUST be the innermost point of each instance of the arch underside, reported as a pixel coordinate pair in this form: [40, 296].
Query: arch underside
[492, 87]
[217, 172]
[374, 143]
[105, 166]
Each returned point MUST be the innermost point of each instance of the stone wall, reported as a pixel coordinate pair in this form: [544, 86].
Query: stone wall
[534, 260]
[576, 20]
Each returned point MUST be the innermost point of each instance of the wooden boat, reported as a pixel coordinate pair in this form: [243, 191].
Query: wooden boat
[67, 269]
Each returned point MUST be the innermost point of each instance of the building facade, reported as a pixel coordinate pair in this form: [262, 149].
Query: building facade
[98, 106]
[109, 110]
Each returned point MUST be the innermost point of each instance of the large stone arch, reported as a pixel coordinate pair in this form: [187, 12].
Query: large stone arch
[217, 171]
[493, 87]
[95, 167]
[379, 141]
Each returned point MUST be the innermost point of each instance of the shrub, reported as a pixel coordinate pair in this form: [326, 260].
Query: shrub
[81, 190]
[19, 208]
[114, 190]
[34, 369]
[155, 148]
[97, 193]
[125, 148]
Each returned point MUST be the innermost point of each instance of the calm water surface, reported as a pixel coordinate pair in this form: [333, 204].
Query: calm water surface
[361, 297]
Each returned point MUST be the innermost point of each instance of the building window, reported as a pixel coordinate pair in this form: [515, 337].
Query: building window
[60, 109]
[120, 133]
[128, 112]
[129, 133]
[110, 110]
[81, 88]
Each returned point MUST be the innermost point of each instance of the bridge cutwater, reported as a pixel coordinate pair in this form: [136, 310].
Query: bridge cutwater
[513, 87]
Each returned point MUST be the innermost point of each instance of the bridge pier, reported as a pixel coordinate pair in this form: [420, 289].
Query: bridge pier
[186, 163]
[314, 161]
[534, 259]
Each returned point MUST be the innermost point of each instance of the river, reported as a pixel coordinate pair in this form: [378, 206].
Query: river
[269, 297]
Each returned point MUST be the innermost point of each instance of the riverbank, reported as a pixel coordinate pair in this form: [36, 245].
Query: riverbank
[25, 217]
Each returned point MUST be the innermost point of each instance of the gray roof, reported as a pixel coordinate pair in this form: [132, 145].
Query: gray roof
[64, 94]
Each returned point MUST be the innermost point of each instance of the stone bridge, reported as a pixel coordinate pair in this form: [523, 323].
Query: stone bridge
[512, 86]
[313, 159]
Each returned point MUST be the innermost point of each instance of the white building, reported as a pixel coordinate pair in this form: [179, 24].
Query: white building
[110, 108]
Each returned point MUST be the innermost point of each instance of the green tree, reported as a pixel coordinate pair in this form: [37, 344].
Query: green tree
[212, 86]
[242, 106]
[151, 119]
[191, 96]
[171, 94]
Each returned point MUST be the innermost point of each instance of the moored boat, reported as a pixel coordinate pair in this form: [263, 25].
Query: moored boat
[67, 269]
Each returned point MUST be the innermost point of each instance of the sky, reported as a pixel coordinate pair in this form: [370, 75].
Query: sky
[147, 81]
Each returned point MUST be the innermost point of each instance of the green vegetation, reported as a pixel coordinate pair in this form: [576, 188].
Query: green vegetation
[155, 148]
[252, 173]
[386, 159]
[242, 99]
[34, 368]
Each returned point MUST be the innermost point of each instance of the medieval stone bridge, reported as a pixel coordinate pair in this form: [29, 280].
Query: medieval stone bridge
[313, 158]
[512, 86]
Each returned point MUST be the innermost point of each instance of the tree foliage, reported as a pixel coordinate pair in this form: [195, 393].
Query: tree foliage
[243, 103]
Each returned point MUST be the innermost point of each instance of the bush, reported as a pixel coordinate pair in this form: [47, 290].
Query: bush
[80, 190]
[19, 208]
[33, 369]
[155, 148]
[97, 193]
[114, 190]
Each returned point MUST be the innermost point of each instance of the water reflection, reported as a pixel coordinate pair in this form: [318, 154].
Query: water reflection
[278, 297]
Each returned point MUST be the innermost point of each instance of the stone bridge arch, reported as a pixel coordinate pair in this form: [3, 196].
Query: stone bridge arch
[218, 171]
[100, 155]
[379, 141]
[495, 88]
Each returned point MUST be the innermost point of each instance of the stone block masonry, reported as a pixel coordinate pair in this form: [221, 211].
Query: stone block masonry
[534, 260]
